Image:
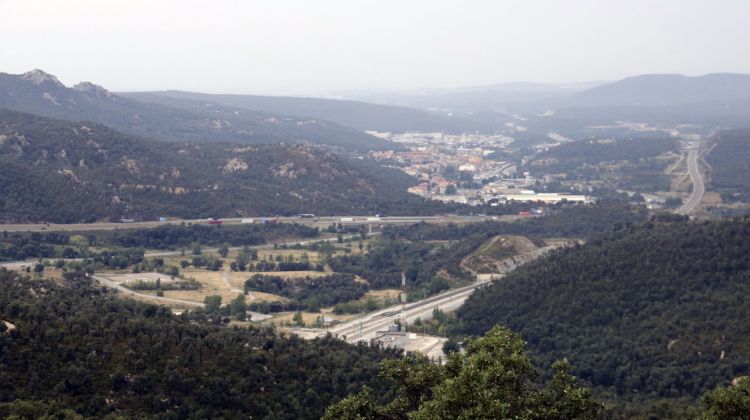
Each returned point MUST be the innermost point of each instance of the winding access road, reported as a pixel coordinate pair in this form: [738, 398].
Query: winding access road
[106, 282]
[699, 187]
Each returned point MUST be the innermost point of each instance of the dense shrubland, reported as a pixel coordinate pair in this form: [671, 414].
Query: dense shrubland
[78, 349]
[644, 313]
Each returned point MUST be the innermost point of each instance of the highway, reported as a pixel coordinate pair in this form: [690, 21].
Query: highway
[362, 328]
[698, 186]
[365, 327]
[323, 221]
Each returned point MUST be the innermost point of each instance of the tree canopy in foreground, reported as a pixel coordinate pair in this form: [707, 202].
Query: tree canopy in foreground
[493, 378]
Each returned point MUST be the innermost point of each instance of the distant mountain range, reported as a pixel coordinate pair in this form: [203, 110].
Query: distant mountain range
[473, 97]
[650, 90]
[720, 100]
[41, 93]
[53, 170]
[707, 102]
[659, 90]
[710, 101]
[359, 115]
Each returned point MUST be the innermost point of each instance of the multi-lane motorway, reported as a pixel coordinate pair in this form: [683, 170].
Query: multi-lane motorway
[365, 328]
[699, 187]
[317, 221]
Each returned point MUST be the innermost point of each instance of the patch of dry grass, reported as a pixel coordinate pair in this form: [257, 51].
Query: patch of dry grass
[382, 294]
[265, 297]
[308, 317]
[287, 275]
[296, 253]
[141, 297]
[211, 284]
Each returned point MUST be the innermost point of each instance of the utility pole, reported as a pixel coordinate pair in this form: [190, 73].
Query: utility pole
[403, 301]
[424, 298]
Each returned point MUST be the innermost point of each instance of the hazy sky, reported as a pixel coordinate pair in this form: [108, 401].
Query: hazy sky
[313, 46]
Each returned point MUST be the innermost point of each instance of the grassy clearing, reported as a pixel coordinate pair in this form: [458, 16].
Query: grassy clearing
[381, 294]
[143, 297]
[287, 275]
[308, 318]
[296, 253]
[211, 284]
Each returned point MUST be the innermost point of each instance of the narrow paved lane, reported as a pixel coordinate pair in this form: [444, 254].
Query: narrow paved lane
[106, 282]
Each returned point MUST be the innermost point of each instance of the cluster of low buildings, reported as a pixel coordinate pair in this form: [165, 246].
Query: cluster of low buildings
[466, 168]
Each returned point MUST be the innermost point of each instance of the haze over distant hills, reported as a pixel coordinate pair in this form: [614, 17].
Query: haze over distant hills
[41, 93]
[714, 100]
[641, 90]
[667, 89]
[360, 115]
[710, 101]
[473, 97]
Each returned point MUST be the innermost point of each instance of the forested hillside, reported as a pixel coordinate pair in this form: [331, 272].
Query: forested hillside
[730, 171]
[644, 313]
[429, 268]
[492, 378]
[631, 164]
[69, 172]
[571, 155]
[40, 93]
[80, 350]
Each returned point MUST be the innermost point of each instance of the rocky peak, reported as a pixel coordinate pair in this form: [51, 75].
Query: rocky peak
[92, 89]
[38, 77]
